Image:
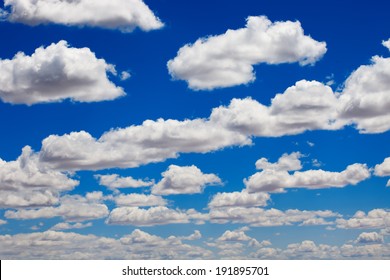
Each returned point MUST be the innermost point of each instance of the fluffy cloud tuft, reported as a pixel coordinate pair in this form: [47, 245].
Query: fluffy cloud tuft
[386, 43]
[139, 200]
[184, 180]
[227, 60]
[369, 237]
[55, 73]
[124, 15]
[239, 199]
[114, 181]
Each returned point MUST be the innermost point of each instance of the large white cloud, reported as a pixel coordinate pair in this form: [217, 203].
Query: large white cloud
[124, 15]
[25, 182]
[184, 180]
[114, 181]
[275, 177]
[159, 215]
[55, 73]
[71, 208]
[227, 60]
[239, 199]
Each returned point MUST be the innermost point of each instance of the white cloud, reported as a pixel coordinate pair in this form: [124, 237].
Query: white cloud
[67, 226]
[125, 75]
[365, 98]
[259, 217]
[383, 169]
[55, 73]
[114, 181]
[184, 180]
[287, 162]
[25, 182]
[124, 15]
[139, 200]
[2, 222]
[227, 60]
[275, 177]
[239, 199]
[386, 43]
[234, 236]
[72, 208]
[195, 236]
[159, 215]
[68, 245]
[377, 218]
[369, 237]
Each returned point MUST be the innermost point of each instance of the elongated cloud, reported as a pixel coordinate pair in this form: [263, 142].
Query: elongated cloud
[55, 73]
[184, 180]
[114, 181]
[239, 199]
[275, 177]
[227, 60]
[377, 218]
[139, 200]
[124, 15]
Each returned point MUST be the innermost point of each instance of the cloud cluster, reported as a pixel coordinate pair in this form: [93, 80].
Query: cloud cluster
[275, 177]
[72, 208]
[55, 73]
[377, 218]
[114, 181]
[369, 237]
[227, 60]
[68, 245]
[159, 215]
[25, 182]
[259, 217]
[184, 180]
[124, 15]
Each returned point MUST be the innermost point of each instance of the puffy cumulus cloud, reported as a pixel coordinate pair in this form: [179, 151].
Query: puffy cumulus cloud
[25, 182]
[386, 43]
[383, 169]
[125, 15]
[259, 217]
[67, 226]
[159, 215]
[55, 73]
[236, 235]
[227, 60]
[153, 141]
[287, 162]
[377, 218]
[195, 236]
[68, 245]
[114, 181]
[369, 237]
[308, 105]
[184, 180]
[72, 208]
[139, 200]
[239, 199]
[275, 177]
[365, 98]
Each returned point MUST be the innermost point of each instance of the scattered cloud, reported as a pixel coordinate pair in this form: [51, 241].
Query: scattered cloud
[125, 76]
[227, 60]
[383, 169]
[184, 180]
[2, 222]
[55, 73]
[125, 15]
[114, 181]
[239, 199]
[369, 237]
[67, 226]
[72, 208]
[386, 43]
[159, 215]
[377, 218]
[276, 178]
[139, 200]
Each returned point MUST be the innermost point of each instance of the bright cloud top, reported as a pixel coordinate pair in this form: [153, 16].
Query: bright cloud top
[383, 169]
[55, 73]
[275, 177]
[184, 180]
[114, 181]
[124, 15]
[227, 60]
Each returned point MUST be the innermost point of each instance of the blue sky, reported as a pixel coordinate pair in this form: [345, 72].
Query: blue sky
[194, 129]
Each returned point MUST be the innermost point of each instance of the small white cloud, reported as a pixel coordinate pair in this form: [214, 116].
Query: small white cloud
[311, 144]
[55, 73]
[184, 180]
[124, 15]
[67, 226]
[2, 222]
[227, 60]
[114, 181]
[125, 75]
[139, 200]
[386, 43]
[239, 199]
[369, 237]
